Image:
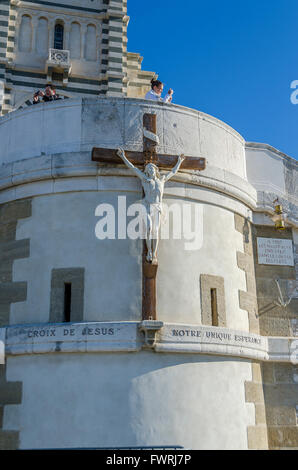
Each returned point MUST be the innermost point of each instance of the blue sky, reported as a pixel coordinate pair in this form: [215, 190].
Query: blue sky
[233, 59]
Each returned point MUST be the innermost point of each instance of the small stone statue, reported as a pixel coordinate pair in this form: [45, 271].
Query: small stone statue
[153, 185]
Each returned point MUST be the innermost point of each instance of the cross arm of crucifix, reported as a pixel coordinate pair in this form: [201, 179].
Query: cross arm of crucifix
[176, 168]
[120, 152]
[135, 158]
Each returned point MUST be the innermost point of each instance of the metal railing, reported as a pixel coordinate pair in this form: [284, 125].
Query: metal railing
[59, 56]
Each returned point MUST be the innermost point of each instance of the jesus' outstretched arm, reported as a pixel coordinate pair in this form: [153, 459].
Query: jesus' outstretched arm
[121, 154]
[175, 169]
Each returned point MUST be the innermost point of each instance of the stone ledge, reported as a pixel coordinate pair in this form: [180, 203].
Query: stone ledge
[125, 336]
[48, 168]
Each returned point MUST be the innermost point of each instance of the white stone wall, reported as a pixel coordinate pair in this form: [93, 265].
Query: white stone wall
[140, 398]
[274, 175]
[54, 162]
[136, 399]
[265, 169]
[81, 124]
[211, 251]
[62, 235]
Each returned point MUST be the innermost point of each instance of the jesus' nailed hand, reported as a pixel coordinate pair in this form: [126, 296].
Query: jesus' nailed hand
[153, 186]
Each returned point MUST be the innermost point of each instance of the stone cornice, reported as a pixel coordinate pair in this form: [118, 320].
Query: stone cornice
[261, 146]
[58, 10]
[69, 158]
[13, 177]
[128, 336]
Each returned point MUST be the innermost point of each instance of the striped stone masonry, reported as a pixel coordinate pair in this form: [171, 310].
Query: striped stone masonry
[113, 27]
[11, 27]
[139, 81]
[11, 31]
[28, 74]
[4, 19]
[4, 23]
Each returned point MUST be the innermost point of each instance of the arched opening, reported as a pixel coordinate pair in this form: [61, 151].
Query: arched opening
[75, 41]
[90, 43]
[42, 43]
[25, 36]
[58, 36]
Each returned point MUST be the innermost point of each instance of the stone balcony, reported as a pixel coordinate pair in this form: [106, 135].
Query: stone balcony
[59, 62]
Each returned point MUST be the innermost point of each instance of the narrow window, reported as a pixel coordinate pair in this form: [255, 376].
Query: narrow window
[214, 309]
[58, 38]
[67, 301]
[67, 295]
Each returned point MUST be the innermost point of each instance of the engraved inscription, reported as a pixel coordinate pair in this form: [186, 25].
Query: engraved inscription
[275, 251]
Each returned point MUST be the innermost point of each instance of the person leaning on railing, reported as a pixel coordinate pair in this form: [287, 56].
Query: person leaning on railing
[50, 94]
[156, 91]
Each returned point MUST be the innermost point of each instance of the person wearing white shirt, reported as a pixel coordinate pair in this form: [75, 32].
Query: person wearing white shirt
[156, 91]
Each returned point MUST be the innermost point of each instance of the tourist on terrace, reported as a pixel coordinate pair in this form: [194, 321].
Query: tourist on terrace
[156, 91]
[37, 97]
[48, 94]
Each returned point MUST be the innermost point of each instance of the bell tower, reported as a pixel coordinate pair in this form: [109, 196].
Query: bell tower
[79, 46]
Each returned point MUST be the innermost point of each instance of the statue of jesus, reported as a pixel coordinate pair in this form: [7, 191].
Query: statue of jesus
[153, 185]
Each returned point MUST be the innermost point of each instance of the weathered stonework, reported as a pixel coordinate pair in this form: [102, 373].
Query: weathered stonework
[281, 398]
[273, 389]
[10, 250]
[245, 261]
[209, 282]
[75, 276]
[274, 320]
[10, 394]
[254, 393]
[10, 292]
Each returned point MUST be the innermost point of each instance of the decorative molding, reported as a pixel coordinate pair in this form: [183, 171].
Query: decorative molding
[289, 203]
[150, 328]
[126, 336]
[261, 146]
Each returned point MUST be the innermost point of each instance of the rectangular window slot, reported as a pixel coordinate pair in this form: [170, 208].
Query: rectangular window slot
[67, 301]
[214, 309]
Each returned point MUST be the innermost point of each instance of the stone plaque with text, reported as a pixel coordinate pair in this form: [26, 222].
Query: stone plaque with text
[275, 251]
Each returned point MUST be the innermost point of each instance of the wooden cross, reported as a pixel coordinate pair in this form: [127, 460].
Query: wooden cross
[149, 155]
[166, 162]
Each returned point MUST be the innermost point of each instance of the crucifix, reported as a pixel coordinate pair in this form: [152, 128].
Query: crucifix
[153, 186]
